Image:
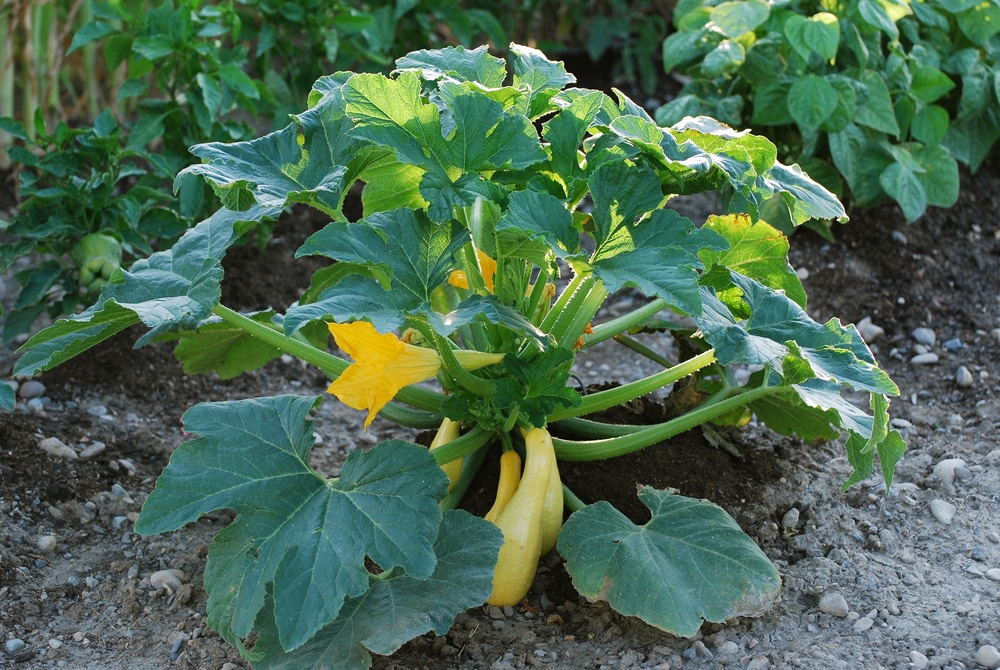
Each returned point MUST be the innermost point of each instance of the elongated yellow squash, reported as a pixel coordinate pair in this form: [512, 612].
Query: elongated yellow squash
[448, 431]
[552, 510]
[521, 523]
[510, 477]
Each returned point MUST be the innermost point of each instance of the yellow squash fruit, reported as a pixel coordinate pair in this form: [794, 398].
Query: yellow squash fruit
[552, 510]
[521, 523]
[510, 477]
[448, 431]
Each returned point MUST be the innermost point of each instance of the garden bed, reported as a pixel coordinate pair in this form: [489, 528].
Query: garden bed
[916, 588]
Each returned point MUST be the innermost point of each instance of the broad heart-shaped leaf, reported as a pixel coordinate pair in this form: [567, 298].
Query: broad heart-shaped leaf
[658, 255]
[810, 100]
[392, 113]
[228, 350]
[171, 290]
[313, 161]
[760, 328]
[732, 19]
[459, 63]
[689, 563]
[756, 250]
[621, 191]
[414, 254]
[900, 182]
[305, 535]
[398, 608]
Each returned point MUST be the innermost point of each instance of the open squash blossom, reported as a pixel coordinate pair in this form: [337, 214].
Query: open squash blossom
[459, 278]
[383, 364]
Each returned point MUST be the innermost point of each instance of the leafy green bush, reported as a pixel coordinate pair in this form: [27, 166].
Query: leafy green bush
[87, 194]
[470, 248]
[888, 93]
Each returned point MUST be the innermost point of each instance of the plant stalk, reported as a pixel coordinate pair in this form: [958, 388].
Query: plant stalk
[609, 329]
[470, 468]
[593, 450]
[595, 402]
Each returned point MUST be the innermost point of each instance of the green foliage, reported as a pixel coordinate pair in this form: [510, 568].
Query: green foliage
[477, 188]
[879, 98]
[87, 197]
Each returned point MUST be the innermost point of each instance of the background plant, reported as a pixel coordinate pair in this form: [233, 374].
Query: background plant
[463, 173]
[879, 96]
[88, 194]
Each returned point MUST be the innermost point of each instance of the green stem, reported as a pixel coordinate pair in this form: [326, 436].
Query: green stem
[469, 471]
[595, 402]
[561, 303]
[580, 309]
[593, 450]
[571, 501]
[332, 365]
[465, 379]
[641, 349]
[609, 329]
[462, 446]
[596, 429]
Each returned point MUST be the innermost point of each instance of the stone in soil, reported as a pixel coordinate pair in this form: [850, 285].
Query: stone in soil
[834, 604]
[943, 511]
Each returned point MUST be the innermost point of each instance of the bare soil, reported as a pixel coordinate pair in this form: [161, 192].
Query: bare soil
[83, 599]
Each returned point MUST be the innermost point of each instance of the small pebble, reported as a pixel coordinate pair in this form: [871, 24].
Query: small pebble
[701, 650]
[899, 237]
[924, 336]
[988, 657]
[918, 660]
[943, 511]
[36, 406]
[862, 624]
[993, 574]
[167, 580]
[93, 449]
[869, 331]
[791, 519]
[14, 646]
[57, 448]
[97, 410]
[963, 377]
[54, 643]
[31, 389]
[953, 345]
[119, 492]
[924, 359]
[47, 544]
[728, 648]
[945, 469]
[758, 663]
[834, 604]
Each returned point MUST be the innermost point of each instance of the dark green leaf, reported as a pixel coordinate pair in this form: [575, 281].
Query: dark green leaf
[940, 178]
[306, 535]
[538, 78]
[396, 609]
[930, 125]
[228, 350]
[811, 99]
[876, 111]
[875, 16]
[929, 83]
[689, 563]
[539, 216]
[466, 65]
[902, 184]
[659, 256]
[980, 23]
[90, 32]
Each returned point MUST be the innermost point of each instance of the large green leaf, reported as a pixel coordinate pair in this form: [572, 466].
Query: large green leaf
[399, 607]
[410, 253]
[689, 563]
[818, 34]
[876, 111]
[313, 161]
[305, 535]
[659, 256]
[621, 192]
[940, 177]
[764, 324]
[901, 183]
[490, 309]
[539, 216]
[171, 290]
[756, 250]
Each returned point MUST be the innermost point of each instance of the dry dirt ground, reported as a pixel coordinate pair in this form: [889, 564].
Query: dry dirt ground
[906, 578]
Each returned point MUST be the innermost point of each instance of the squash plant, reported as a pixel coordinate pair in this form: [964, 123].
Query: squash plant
[469, 267]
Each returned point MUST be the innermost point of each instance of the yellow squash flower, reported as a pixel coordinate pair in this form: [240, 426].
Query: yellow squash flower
[382, 366]
[460, 279]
